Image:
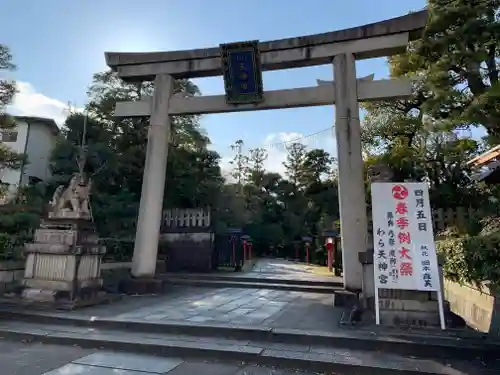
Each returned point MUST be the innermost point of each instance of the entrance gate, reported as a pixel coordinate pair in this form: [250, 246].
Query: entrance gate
[340, 47]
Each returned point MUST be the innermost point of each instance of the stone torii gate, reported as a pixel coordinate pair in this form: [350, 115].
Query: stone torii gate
[340, 47]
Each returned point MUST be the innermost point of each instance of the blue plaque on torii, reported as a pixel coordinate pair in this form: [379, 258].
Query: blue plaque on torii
[242, 72]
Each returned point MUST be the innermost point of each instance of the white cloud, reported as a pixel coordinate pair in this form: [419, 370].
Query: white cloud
[276, 154]
[29, 102]
[226, 167]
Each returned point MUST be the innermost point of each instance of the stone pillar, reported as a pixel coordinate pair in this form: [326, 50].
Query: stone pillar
[153, 183]
[353, 220]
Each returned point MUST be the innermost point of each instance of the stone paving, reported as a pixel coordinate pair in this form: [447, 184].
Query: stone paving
[261, 307]
[124, 363]
[287, 270]
[43, 359]
[277, 269]
[237, 306]
[35, 359]
[109, 363]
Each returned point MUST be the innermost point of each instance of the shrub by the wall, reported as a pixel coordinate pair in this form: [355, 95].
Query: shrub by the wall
[472, 259]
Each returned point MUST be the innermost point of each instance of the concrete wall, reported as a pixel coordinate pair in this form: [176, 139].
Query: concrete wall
[188, 251]
[11, 274]
[479, 307]
[37, 138]
[9, 176]
[41, 142]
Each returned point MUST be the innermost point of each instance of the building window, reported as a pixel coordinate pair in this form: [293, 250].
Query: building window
[8, 136]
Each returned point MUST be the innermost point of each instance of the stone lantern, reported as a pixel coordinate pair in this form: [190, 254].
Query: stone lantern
[307, 242]
[330, 240]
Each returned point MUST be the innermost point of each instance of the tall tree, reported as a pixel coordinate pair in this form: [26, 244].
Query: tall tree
[419, 143]
[256, 169]
[459, 58]
[117, 151]
[239, 163]
[294, 163]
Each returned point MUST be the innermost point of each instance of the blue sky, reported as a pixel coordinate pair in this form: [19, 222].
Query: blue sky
[59, 44]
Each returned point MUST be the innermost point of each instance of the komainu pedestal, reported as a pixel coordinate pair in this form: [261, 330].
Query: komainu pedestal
[63, 265]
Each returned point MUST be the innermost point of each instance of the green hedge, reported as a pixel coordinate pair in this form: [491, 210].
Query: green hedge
[472, 259]
[11, 246]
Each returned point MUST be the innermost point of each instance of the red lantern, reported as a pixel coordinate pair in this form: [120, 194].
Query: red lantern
[329, 247]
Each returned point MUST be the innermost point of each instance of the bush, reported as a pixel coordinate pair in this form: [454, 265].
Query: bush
[118, 250]
[17, 224]
[472, 259]
[11, 246]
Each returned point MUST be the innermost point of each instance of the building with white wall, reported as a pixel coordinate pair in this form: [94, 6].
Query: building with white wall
[36, 137]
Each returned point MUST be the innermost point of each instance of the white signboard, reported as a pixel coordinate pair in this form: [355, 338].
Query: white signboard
[404, 250]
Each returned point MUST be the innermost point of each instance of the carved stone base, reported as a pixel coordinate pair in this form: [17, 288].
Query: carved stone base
[141, 286]
[63, 265]
[408, 308]
[64, 300]
[69, 215]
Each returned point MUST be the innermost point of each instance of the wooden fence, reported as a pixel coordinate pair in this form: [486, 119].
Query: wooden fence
[443, 218]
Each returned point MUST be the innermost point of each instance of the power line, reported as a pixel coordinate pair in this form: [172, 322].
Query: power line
[296, 140]
[282, 145]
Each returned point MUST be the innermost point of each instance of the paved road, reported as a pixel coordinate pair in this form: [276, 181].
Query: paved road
[42, 359]
[285, 269]
[239, 306]
[36, 359]
[110, 363]
[262, 307]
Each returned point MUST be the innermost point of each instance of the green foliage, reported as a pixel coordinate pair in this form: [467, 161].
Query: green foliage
[18, 221]
[276, 211]
[454, 67]
[459, 55]
[8, 158]
[116, 151]
[473, 259]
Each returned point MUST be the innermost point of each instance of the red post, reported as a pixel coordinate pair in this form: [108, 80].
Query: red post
[333, 253]
[234, 251]
[307, 254]
[329, 247]
[244, 251]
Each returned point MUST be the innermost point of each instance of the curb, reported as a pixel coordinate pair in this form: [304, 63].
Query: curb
[282, 358]
[254, 280]
[397, 343]
[259, 285]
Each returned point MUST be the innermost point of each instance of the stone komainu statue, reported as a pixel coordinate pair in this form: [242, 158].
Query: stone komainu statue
[74, 198]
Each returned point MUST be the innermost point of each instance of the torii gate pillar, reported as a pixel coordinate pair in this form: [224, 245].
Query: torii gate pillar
[352, 201]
